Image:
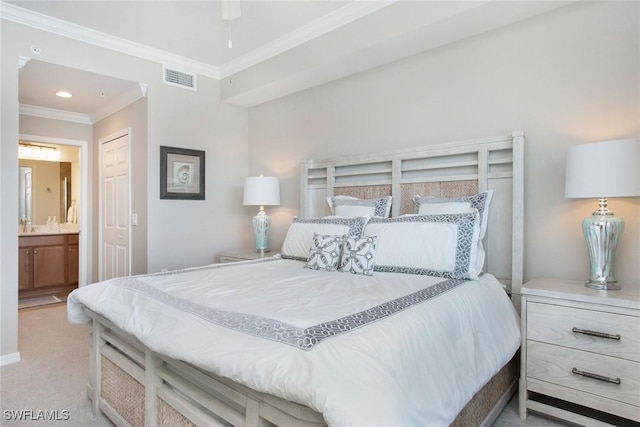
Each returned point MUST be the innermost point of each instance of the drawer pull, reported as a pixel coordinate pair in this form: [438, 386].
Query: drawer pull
[596, 334]
[596, 376]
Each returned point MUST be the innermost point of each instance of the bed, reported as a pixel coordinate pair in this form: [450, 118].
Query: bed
[295, 340]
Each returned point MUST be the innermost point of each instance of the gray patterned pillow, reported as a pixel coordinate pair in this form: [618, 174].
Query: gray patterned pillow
[358, 255]
[325, 252]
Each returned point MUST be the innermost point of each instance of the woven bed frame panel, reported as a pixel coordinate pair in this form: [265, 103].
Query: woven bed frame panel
[486, 399]
[168, 416]
[126, 396]
[122, 392]
[436, 189]
[408, 190]
[364, 192]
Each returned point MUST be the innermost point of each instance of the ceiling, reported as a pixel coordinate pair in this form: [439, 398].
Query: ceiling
[307, 42]
[94, 96]
[191, 29]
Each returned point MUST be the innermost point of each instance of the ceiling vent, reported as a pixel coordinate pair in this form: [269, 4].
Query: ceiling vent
[178, 78]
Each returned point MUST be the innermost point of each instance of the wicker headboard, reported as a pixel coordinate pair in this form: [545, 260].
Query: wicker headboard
[451, 169]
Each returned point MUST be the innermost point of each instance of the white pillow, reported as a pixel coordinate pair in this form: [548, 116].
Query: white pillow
[436, 245]
[300, 234]
[347, 206]
[430, 205]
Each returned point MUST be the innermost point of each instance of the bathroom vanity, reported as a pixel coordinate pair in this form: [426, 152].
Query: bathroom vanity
[48, 263]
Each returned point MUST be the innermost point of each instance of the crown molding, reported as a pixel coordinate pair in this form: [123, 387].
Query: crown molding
[330, 22]
[22, 61]
[51, 113]
[336, 19]
[57, 26]
[119, 103]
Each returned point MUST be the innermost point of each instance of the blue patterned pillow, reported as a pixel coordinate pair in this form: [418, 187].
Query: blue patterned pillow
[358, 255]
[325, 252]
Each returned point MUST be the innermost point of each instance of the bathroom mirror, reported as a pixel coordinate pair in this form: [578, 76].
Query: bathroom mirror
[49, 188]
[24, 193]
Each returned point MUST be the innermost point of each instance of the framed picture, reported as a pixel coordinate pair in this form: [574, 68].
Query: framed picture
[181, 173]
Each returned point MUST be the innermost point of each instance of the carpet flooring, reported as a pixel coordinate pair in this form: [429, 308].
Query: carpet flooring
[53, 373]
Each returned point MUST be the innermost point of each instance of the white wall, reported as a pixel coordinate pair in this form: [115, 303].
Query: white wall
[567, 77]
[180, 233]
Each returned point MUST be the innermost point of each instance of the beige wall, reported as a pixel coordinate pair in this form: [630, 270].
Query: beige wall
[567, 77]
[179, 233]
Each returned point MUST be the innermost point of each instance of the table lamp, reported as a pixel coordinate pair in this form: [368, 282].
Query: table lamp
[261, 191]
[601, 170]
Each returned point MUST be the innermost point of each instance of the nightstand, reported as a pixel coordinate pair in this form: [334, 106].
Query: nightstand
[580, 355]
[244, 255]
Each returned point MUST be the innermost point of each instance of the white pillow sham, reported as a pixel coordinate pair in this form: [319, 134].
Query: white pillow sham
[300, 234]
[347, 206]
[431, 205]
[435, 245]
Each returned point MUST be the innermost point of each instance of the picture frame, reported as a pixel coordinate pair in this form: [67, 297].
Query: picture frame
[182, 173]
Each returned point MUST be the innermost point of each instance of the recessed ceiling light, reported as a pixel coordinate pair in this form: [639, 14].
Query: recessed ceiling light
[63, 94]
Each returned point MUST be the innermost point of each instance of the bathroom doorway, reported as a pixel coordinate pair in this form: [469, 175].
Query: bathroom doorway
[57, 195]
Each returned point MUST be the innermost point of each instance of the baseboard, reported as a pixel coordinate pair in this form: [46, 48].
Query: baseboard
[7, 359]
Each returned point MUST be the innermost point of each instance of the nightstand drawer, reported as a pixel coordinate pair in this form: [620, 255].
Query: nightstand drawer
[576, 369]
[596, 331]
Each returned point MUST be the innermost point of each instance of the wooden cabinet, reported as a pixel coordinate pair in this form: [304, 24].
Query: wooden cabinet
[24, 268]
[48, 264]
[580, 346]
[73, 264]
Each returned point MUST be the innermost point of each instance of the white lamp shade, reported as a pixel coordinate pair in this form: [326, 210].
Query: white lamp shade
[603, 169]
[261, 191]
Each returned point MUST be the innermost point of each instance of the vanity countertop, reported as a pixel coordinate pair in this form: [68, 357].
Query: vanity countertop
[43, 231]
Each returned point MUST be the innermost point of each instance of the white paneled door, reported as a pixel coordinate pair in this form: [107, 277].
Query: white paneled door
[114, 207]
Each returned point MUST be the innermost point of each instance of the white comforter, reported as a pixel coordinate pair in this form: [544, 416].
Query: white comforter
[415, 365]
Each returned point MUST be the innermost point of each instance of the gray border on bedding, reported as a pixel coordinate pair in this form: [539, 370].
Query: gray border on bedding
[275, 330]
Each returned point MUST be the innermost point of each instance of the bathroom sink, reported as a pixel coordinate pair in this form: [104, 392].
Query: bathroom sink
[38, 230]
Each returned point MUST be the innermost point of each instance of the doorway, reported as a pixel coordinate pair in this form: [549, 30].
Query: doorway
[82, 205]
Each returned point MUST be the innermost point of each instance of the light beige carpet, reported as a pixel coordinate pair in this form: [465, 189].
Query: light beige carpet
[53, 374]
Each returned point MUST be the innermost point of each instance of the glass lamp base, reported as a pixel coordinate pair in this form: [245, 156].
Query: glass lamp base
[261, 225]
[602, 233]
[606, 286]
